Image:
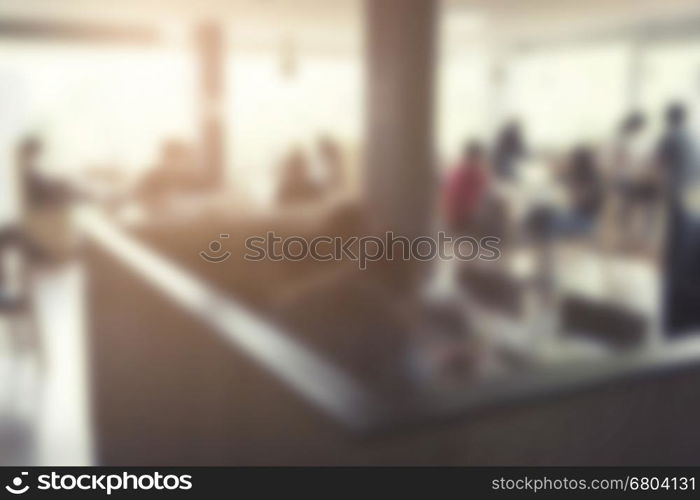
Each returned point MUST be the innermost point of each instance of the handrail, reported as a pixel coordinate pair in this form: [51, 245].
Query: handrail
[301, 369]
[334, 391]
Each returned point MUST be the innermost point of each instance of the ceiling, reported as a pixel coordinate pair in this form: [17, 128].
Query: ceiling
[343, 18]
[337, 12]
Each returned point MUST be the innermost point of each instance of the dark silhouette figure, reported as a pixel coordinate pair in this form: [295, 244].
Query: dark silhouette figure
[509, 150]
[584, 183]
[675, 154]
[678, 165]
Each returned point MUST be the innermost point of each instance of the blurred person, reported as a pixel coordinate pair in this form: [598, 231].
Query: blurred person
[630, 152]
[678, 178]
[42, 235]
[465, 189]
[508, 151]
[37, 189]
[584, 187]
[676, 155]
[175, 172]
[633, 180]
[41, 232]
[546, 224]
[297, 184]
[332, 164]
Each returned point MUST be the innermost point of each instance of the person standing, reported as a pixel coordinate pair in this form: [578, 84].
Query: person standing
[465, 190]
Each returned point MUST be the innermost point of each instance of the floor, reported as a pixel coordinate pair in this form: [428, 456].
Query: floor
[44, 406]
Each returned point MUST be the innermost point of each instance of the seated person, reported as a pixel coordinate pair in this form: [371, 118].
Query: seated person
[331, 162]
[465, 190]
[43, 231]
[175, 172]
[297, 185]
[585, 192]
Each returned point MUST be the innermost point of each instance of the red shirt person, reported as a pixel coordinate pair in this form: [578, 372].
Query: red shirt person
[465, 189]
